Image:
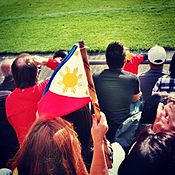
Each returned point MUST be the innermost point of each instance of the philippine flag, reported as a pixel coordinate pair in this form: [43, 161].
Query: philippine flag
[67, 89]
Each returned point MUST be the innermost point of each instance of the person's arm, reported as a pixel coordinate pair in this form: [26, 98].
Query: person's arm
[165, 118]
[136, 91]
[98, 131]
[49, 62]
[136, 97]
[145, 56]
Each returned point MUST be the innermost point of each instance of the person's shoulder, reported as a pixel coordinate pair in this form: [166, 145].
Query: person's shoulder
[97, 74]
[143, 73]
[11, 95]
[129, 74]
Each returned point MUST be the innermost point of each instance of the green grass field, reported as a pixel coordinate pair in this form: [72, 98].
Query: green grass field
[48, 25]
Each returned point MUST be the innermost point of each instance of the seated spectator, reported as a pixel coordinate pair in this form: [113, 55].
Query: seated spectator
[156, 59]
[166, 83]
[52, 147]
[132, 61]
[134, 125]
[82, 122]
[116, 89]
[21, 104]
[8, 82]
[8, 140]
[153, 153]
[149, 110]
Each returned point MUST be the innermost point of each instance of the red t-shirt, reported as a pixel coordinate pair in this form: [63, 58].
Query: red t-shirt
[133, 64]
[21, 106]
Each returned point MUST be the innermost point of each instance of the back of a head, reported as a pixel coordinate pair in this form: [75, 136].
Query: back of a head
[60, 53]
[51, 147]
[82, 122]
[153, 153]
[6, 67]
[157, 55]
[115, 55]
[24, 71]
[172, 67]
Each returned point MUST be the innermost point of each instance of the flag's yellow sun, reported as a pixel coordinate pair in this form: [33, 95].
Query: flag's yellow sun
[70, 80]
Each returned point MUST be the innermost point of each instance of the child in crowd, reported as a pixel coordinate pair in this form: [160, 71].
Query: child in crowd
[132, 61]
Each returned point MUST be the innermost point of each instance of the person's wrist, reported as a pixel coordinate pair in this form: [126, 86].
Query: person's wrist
[98, 143]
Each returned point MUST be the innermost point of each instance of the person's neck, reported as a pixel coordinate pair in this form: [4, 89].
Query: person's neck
[115, 68]
[152, 67]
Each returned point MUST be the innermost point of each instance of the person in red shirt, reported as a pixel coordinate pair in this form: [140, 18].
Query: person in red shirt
[21, 104]
[132, 62]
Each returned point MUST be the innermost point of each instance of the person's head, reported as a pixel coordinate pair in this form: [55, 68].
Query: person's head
[24, 71]
[6, 67]
[51, 147]
[156, 56]
[172, 67]
[153, 153]
[82, 122]
[115, 55]
[60, 53]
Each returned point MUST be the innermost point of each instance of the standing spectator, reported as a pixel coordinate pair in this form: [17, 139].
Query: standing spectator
[132, 62]
[116, 88]
[21, 104]
[166, 83]
[156, 59]
[8, 82]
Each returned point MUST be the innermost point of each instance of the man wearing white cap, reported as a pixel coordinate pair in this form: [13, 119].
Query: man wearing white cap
[156, 59]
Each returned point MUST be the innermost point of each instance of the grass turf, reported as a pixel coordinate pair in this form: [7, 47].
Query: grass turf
[49, 25]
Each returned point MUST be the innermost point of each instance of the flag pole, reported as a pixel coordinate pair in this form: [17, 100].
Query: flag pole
[94, 98]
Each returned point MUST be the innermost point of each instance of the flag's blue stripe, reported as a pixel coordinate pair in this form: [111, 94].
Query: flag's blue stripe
[71, 52]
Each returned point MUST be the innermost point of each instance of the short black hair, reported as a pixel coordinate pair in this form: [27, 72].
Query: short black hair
[60, 53]
[115, 55]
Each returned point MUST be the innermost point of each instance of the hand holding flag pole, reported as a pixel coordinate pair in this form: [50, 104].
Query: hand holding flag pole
[93, 96]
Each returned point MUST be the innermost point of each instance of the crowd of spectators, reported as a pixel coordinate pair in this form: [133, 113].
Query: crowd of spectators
[137, 117]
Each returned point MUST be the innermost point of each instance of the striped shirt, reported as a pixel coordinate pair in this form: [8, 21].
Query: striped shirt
[165, 84]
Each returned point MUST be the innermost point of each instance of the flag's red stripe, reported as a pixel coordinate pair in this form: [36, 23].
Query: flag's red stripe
[58, 105]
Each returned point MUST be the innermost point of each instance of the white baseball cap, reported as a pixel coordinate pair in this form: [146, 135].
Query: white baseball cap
[157, 55]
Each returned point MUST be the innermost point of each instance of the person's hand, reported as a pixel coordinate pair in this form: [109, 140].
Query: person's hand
[99, 129]
[165, 119]
[42, 61]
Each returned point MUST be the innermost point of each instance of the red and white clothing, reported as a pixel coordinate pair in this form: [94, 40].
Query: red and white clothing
[21, 105]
